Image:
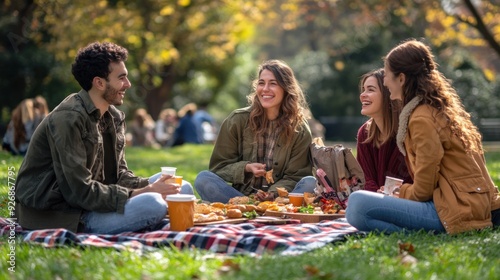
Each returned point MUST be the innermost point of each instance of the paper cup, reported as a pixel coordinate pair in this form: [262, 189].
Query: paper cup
[391, 183]
[181, 211]
[296, 199]
[168, 170]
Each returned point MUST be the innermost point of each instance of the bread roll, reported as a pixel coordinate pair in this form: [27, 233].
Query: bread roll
[282, 200]
[239, 200]
[218, 205]
[234, 213]
[250, 207]
[241, 207]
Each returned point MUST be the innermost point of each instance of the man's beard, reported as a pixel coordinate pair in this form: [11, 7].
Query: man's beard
[112, 96]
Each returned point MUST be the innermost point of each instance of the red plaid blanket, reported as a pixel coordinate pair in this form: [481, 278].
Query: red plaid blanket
[246, 238]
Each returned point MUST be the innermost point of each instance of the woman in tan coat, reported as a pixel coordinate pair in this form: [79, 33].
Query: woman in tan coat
[452, 191]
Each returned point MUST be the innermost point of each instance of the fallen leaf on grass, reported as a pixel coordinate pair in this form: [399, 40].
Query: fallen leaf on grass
[229, 266]
[407, 259]
[356, 246]
[313, 271]
[405, 247]
[76, 254]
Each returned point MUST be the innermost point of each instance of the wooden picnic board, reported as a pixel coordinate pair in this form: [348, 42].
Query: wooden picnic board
[225, 221]
[304, 218]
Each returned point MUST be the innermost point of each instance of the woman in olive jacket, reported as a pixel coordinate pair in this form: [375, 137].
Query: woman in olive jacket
[452, 191]
[271, 134]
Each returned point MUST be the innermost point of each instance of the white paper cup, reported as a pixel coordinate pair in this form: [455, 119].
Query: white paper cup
[168, 170]
[181, 211]
[391, 183]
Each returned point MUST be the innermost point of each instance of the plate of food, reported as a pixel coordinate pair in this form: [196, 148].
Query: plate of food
[314, 208]
[279, 211]
[221, 213]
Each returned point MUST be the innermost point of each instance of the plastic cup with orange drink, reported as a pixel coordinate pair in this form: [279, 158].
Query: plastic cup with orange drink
[296, 199]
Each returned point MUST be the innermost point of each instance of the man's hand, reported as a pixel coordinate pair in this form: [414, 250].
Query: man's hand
[160, 186]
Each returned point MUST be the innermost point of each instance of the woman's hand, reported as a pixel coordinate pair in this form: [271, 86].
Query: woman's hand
[395, 192]
[264, 196]
[258, 169]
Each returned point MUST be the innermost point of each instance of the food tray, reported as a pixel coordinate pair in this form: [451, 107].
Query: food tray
[271, 220]
[304, 218]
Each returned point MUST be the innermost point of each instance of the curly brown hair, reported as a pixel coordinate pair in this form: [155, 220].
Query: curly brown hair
[292, 109]
[93, 61]
[415, 60]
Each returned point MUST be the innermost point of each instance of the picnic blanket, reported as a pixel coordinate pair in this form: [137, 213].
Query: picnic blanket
[245, 238]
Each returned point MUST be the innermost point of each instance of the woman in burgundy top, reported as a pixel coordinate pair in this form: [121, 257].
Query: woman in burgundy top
[377, 152]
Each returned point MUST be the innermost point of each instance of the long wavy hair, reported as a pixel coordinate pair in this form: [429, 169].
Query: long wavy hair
[21, 115]
[293, 106]
[415, 60]
[390, 111]
[40, 106]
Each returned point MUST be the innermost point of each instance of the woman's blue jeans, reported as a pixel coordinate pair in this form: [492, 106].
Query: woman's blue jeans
[142, 212]
[213, 188]
[371, 211]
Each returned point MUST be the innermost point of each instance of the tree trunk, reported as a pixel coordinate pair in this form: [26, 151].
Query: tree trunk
[157, 97]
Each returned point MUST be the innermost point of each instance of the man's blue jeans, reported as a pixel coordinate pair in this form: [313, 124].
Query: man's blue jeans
[213, 188]
[142, 212]
[370, 211]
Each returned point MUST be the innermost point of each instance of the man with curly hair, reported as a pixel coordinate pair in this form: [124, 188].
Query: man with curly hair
[74, 174]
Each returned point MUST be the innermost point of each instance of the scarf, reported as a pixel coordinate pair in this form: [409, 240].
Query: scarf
[404, 117]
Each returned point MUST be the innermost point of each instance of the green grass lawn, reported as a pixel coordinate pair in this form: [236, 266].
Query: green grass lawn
[465, 256]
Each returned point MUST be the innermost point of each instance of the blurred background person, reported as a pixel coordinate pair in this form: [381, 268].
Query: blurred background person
[205, 124]
[186, 131]
[165, 126]
[40, 109]
[20, 128]
[142, 129]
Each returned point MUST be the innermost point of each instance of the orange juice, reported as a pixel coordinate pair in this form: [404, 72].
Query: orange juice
[181, 211]
[297, 199]
[175, 180]
[178, 180]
